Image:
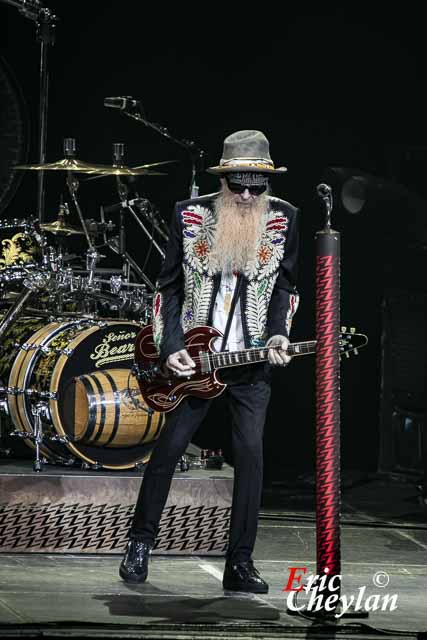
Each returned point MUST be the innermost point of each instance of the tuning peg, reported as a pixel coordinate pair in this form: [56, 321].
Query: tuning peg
[347, 355]
[356, 352]
[343, 329]
[352, 329]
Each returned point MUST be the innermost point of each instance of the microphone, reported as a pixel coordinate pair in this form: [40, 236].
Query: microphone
[324, 190]
[120, 102]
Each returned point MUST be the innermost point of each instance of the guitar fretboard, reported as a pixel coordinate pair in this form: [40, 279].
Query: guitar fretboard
[257, 354]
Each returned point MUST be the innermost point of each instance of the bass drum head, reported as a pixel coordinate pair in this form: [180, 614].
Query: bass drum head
[107, 346]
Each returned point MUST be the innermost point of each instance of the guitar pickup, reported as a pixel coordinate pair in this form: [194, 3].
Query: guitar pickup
[205, 365]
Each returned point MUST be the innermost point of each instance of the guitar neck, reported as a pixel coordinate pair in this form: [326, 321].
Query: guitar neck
[225, 359]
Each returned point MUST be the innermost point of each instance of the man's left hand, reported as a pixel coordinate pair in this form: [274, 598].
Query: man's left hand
[278, 356]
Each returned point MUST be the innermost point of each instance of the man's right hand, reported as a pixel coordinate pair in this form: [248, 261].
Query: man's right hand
[181, 364]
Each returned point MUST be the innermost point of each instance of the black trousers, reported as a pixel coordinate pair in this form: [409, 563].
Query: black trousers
[248, 405]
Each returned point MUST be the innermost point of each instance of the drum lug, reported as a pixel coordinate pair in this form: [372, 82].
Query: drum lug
[27, 346]
[34, 393]
[48, 395]
[20, 434]
[15, 391]
[61, 439]
[31, 393]
[66, 352]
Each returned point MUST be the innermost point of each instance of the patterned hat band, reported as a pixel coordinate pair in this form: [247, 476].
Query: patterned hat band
[250, 178]
[256, 163]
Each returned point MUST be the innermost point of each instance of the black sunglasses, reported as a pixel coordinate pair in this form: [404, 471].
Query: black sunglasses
[254, 189]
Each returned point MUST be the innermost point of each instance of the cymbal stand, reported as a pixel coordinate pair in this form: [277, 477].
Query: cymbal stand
[45, 22]
[73, 186]
[128, 258]
[122, 190]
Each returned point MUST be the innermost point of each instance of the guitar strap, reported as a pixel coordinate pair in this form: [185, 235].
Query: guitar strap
[236, 295]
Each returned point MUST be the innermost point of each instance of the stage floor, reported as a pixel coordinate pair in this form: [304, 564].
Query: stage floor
[384, 530]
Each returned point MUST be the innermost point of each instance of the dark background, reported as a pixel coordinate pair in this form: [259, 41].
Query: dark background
[328, 88]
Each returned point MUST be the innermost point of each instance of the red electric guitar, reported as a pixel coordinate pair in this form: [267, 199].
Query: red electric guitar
[164, 391]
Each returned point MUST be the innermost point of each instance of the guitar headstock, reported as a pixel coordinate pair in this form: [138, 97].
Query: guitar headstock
[351, 342]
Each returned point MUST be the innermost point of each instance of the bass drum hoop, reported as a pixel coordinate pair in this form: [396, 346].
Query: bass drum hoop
[22, 370]
[20, 373]
[53, 403]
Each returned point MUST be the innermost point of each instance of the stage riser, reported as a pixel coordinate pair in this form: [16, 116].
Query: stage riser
[92, 514]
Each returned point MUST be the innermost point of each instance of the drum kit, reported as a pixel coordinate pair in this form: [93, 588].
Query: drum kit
[67, 333]
[67, 324]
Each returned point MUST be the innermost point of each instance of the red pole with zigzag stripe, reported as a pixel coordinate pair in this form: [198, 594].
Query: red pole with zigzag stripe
[328, 476]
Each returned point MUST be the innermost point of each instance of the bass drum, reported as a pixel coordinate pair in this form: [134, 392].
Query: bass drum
[79, 373]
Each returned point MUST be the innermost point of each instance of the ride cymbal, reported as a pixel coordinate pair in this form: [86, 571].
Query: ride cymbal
[66, 164]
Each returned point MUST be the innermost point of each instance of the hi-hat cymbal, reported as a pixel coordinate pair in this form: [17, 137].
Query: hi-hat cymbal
[66, 164]
[60, 228]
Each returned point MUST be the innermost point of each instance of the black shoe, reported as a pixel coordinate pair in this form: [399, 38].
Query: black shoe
[134, 566]
[242, 576]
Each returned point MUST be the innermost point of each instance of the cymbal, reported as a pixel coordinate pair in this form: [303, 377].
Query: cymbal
[66, 164]
[60, 228]
[124, 171]
[154, 164]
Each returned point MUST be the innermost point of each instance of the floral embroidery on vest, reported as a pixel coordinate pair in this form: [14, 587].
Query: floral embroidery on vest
[199, 228]
[157, 320]
[262, 273]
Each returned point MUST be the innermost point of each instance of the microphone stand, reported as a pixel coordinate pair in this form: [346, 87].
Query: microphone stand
[196, 153]
[46, 22]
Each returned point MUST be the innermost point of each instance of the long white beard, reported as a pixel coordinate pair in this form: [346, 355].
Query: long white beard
[237, 233]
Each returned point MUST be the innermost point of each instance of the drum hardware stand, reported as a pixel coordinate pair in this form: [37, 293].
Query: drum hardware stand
[4, 411]
[133, 109]
[39, 411]
[113, 244]
[122, 191]
[144, 228]
[34, 282]
[73, 186]
[46, 22]
[41, 414]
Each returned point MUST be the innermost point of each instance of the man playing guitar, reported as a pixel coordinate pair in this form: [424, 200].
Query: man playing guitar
[230, 264]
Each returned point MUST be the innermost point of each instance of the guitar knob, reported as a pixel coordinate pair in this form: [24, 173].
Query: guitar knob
[172, 398]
